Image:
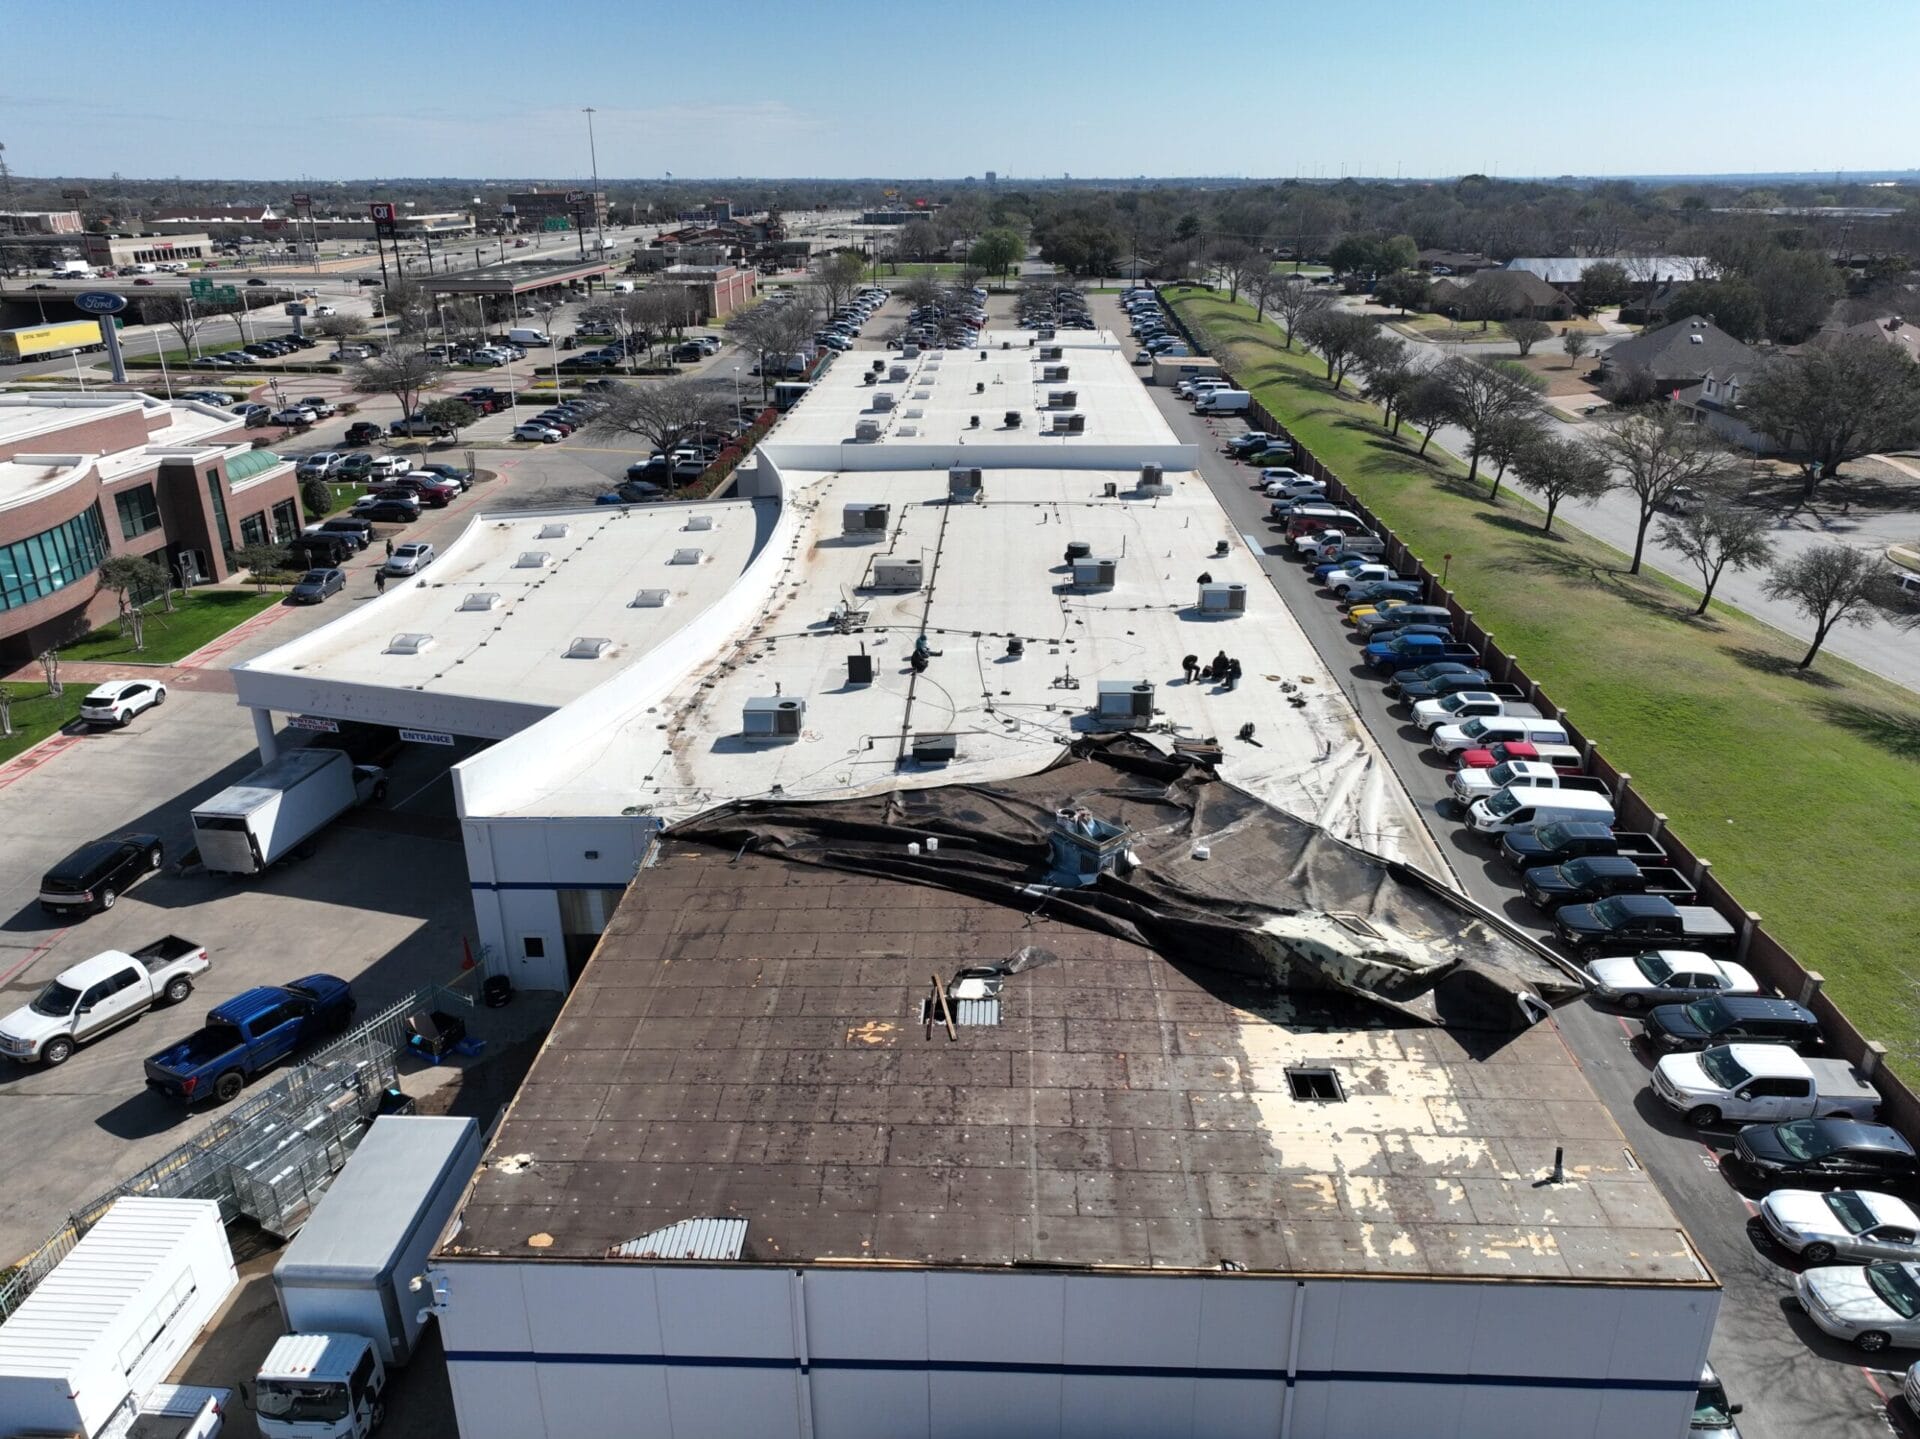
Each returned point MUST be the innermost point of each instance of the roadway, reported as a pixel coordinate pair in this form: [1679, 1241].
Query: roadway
[1793, 1379]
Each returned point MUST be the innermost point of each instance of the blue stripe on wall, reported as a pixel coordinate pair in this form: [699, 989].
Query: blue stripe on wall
[550, 884]
[1128, 1371]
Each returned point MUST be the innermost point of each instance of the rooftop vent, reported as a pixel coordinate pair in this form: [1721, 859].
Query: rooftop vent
[868, 521]
[1094, 573]
[897, 574]
[1081, 848]
[409, 644]
[699, 522]
[480, 600]
[897, 375]
[588, 647]
[866, 431]
[1013, 419]
[963, 482]
[1078, 550]
[1127, 704]
[772, 717]
[883, 402]
[1220, 598]
[693, 555]
[531, 560]
[557, 531]
[935, 748]
[651, 600]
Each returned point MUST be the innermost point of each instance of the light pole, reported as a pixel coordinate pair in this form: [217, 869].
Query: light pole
[736, 394]
[593, 156]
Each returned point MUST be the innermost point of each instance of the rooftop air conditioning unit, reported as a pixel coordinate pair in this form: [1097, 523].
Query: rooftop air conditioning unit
[480, 600]
[1094, 573]
[910, 351]
[772, 717]
[1051, 352]
[897, 574]
[1223, 598]
[964, 482]
[897, 375]
[555, 531]
[935, 748]
[699, 522]
[866, 521]
[409, 644]
[588, 647]
[1150, 474]
[883, 402]
[1070, 424]
[651, 600]
[692, 555]
[1046, 332]
[531, 560]
[1078, 550]
[1062, 399]
[1153, 481]
[866, 431]
[1053, 374]
[1127, 704]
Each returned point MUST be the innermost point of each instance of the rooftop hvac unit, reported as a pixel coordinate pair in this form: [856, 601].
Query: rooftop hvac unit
[1080, 848]
[699, 522]
[772, 717]
[964, 482]
[979, 387]
[1078, 550]
[1150, 474]
[409, 644]
[693, 555]
[866, 521]
[910, 351]
[1070, 424]
[1051, 352]
[935, 748]
[531, 560]
[558, 531]
[877, 366]
[866, 431]
[1046, 332]
[588, 647]
[897, 375]
[897, 574]
[1053, 374]
[870, 378]
[1013, 419]
[883, 402]
[1223, 598]
[1094, 573]
[1062, 399]
[651, 600]
[1127, 704]
[480, 600]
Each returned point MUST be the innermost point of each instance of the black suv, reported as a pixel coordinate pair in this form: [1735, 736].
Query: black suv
[1731, 1019]
[1825, 1154]
[95, 875]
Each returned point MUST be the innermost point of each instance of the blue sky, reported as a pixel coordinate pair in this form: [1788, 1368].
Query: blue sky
[350, 89]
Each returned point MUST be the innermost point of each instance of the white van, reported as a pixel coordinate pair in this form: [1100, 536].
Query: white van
[622, 287]
[1512, 809]
[521, 335]
[1223, 402]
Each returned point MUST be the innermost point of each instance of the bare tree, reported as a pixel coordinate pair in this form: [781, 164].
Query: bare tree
[336, 327]
[1339, 337]
[1526, 333]
[1486, 394]
[1838, 401]
[1576, 344]
[1294, 302]
[774, 330]
[1561, 470]
[1716, 537]
[404, 372]
[836, 277]
[1830, 584]
[664, 415]
[1657, 452]
[6, 711]
[1427, 405]
[1506, 439]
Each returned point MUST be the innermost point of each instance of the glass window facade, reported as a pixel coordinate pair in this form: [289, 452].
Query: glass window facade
[216, 492]
[253, 529]
[139, 512]
[41, 564]
[286, 521]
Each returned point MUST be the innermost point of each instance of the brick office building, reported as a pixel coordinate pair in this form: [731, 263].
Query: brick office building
[87, 477]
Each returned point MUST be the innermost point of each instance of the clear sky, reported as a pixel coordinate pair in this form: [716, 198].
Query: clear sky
[945, 88]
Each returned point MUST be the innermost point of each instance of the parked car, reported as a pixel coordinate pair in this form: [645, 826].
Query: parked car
[452, 473]
[1874, 1306]
[1631, 921]
[98, 995]
[318, 467]
[538, 433]
[1582, 881]
[1847, 1224]
[1727, 1019]
[322, 407]
[116, 702]
[353, 468]
[1556, 843]
[362, 432]
[419, 425]
[633, 492]
[390, 511]
[315, 585]
[1824, 1153]
[1752, 1083]
[250, 1033]
[90, 879]
[294, 415]
[357, 533]
[1666, 976]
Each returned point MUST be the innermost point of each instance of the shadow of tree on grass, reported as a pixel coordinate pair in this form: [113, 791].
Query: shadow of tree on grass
[1895, 731]
[1785, 666]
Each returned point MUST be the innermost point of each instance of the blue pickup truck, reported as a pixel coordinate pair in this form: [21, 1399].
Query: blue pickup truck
[1406, 651]
[250, 1033]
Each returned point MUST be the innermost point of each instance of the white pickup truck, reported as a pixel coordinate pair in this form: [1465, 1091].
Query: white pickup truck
[100, 994]
[1756, 1083]
[1472, 784]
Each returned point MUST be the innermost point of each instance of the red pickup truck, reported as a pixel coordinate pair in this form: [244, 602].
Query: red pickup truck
[1563, 757]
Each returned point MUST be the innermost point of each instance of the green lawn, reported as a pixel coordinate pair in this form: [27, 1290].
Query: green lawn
[1802, 788]
[36, 714]
[198, 617]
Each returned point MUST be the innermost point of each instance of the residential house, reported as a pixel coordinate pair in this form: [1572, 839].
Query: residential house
[1453, 262]
[1681, 354]
[1649, 304]
[1641, 269]
[1501, 295]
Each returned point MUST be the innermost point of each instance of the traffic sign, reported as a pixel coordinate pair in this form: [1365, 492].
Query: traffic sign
[200, 289]
[557, 222]
[225, 294]
[425, 736]
[100, 302]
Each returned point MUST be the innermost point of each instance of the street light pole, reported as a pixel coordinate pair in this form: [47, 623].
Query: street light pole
[593, 155]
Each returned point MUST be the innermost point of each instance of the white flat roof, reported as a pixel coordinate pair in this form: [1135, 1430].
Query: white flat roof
[944, 390]
[995, 570]
[499, 623]
[27, 414]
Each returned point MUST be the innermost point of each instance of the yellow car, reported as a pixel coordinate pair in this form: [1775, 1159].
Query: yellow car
[1353, 615]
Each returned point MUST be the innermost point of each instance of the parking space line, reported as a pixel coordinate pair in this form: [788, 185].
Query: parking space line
[39, 949]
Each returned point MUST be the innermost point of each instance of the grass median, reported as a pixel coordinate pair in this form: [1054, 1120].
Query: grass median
[37, 714]
[1803, 787]
[197, 617]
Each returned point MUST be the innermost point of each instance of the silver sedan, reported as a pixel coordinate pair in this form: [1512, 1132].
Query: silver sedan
[1875, 1306]
[1849, 1224]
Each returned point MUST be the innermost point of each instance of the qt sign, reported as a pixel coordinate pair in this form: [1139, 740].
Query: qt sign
[99, 302]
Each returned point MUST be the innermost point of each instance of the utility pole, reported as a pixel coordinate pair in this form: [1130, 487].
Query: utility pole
[593, 198]
[6, 176]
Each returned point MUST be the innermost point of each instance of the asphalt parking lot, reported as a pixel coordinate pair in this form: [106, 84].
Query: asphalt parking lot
[1792, 1378]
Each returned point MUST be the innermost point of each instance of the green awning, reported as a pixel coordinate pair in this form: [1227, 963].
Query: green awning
[248, 463]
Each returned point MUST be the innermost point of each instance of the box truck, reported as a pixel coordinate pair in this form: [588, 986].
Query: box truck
[88, 1351]
[279, 808]
[34, 342]
[345, 1284]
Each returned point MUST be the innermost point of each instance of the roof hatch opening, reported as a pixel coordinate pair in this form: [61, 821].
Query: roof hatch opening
[1317, 1085]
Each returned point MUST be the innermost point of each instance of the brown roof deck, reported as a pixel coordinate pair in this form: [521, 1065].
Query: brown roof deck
[747, 1043]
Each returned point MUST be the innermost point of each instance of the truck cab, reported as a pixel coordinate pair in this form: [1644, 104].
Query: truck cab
[320, 1386]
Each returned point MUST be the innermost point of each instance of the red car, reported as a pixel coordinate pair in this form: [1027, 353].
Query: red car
[433, 495]
[1563, 757]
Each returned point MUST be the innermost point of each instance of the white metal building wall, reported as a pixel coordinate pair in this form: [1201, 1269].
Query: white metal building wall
[709, 1353]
